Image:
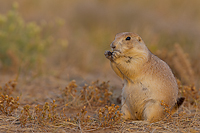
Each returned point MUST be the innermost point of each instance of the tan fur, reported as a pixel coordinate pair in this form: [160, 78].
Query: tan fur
[147, 79]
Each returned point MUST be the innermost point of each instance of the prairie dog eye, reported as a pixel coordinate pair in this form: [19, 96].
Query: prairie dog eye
[128, 38]
[139, 39]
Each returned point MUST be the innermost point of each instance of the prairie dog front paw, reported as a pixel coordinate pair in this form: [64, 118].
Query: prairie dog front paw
[112, 55]
[108, 54]
[115, 55]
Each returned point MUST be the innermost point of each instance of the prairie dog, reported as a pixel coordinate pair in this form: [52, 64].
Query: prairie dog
[148, 81]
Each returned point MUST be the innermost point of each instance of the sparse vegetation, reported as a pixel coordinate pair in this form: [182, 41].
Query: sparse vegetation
[88, 116]
[7, 103]
[179, 61]
[93, 95]
[55, 114]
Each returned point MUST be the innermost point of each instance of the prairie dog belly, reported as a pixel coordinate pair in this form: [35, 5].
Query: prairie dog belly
[135, 96]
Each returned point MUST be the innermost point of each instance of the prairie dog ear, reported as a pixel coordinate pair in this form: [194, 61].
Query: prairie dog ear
[139, 39]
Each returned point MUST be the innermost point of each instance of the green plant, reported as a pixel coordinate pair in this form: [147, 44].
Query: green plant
[23, 44]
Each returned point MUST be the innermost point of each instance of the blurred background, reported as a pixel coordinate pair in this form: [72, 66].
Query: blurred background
[67, 38]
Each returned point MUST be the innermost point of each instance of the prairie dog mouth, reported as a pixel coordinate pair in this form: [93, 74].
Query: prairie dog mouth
[116, 50]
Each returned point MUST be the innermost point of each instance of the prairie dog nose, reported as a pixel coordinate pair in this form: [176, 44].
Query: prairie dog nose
[112, 46]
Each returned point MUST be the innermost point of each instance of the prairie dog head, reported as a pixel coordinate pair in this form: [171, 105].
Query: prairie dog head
[128, 43]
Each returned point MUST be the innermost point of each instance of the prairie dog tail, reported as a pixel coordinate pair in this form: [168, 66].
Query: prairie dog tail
[177, 104]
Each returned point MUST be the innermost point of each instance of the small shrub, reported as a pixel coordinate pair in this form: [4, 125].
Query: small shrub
[190, 92]
[70, 91]
[25, 115]
[7, 103]
[81, 118]
[109, 115]
[41, 115]
[8, 88]
[23, 44]
[96, 94]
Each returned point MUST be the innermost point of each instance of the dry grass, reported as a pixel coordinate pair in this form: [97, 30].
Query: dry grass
[82, 109]
[180, 63]
[57, 113]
